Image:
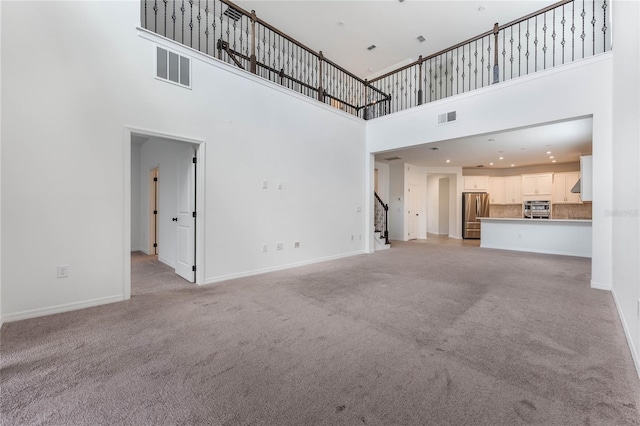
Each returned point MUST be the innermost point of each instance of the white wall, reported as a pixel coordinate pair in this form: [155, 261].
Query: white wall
[443, 213]
[433, 204]
[99, 79]
[626, 174]
[136, 236]
[396, 201]
[540, 98]
[383, 181]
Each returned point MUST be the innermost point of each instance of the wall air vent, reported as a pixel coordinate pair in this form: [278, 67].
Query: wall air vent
[232, 13]
[393, 158]
[447, 117]
[173, 68]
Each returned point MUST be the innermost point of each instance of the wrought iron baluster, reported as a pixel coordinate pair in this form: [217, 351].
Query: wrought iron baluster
[573, 31]
[182, 9]
[145, 14]
[512, 58]
[430, 80]
[173, 18]
[519, 51]
[489, 61]
[604, 26]
[155, 16]
[191, 23]
[583, 35]
[481, 63]
[593, 28]
[535, 45]
[165, 17]
[199, 18]
[504, 55]
[206, 26]
[544, 45]
[451, 76]
[475, 67]
[526, 55]
[457, 70]
[553, 37]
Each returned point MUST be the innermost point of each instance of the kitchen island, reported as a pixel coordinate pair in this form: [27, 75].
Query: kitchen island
[570, 237]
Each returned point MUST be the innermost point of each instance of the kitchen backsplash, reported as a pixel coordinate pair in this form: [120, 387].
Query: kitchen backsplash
[571, 211]
[509, 210]
[558, 211]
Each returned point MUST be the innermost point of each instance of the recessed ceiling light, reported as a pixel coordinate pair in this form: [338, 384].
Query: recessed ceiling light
[341, 23]
[448, 161]
[513, 165]
[370, 69]
[482, 8]
[552, 157]
[553, 161]
[491, 164]
[421, 38]
[373, 46]
[492, 140]
[501, 158]
[548, 152]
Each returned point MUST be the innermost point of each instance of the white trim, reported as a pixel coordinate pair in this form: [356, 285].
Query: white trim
[634, 351]
[196, 54]
[40, 312]
[553, 252]
[279, 268]
[166, 262]
[599, 286]
[200, 202]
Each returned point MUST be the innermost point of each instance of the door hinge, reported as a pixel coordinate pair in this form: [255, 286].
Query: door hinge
[194, 214]
[155, 244]
[155, 212]
[193, 268]
[195, 160]
[155, 179]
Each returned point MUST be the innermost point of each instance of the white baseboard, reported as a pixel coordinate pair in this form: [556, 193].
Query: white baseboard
[40, 312]
[166, 262]
[600, 286]
[278, 268]
[634, 351]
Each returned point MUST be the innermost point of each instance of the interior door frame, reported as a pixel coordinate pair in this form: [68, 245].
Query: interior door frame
[200, 147]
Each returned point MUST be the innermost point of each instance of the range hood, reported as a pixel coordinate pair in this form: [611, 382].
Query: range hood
[576, 187]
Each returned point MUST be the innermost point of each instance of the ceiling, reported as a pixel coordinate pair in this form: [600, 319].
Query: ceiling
[343, 30]
[566, 141]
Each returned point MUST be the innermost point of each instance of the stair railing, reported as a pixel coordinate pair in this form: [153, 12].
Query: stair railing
[381, 213]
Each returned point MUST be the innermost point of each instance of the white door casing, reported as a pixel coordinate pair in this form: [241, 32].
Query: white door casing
[185, 232]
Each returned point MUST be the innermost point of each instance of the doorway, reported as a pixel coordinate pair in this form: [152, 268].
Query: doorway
[169, 205]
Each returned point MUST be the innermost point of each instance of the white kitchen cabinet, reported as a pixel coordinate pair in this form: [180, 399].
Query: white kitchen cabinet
[562, 185]
[497, 190]
[513, 190]
[535, 186]
[476, 183]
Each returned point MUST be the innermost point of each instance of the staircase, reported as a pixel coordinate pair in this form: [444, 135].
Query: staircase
[381, 234]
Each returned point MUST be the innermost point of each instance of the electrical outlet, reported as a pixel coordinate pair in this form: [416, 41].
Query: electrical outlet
[265, 184]
[296, 244]
[63, 271]
[279, 246]
[358, 209]
[265, 248]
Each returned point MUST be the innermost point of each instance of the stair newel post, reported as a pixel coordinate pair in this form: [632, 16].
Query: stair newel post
[253, 66]
[496, 67]
[420, 80]
[320, 77]
[386, 223]
[365, 114]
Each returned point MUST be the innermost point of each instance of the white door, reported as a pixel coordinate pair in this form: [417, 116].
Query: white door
[414, 203]
[185, 234]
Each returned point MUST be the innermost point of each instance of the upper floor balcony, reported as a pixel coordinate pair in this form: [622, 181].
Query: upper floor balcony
[562, 33]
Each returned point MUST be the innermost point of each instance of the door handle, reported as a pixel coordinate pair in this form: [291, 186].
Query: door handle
[175, 219]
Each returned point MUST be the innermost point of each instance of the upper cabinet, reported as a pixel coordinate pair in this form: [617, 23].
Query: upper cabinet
[537, 186]
[513, 190]
[562, 185]
[476, 183]
[497, 190]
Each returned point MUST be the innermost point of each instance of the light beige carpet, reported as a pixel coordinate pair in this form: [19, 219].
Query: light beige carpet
[419, 334]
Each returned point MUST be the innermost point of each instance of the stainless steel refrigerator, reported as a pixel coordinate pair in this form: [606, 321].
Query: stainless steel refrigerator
[474, 205]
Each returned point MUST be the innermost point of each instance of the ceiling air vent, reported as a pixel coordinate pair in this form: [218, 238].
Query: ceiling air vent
[447, 117]
[232, 13]
[373, 46]
[421, 38]
[393, 158]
